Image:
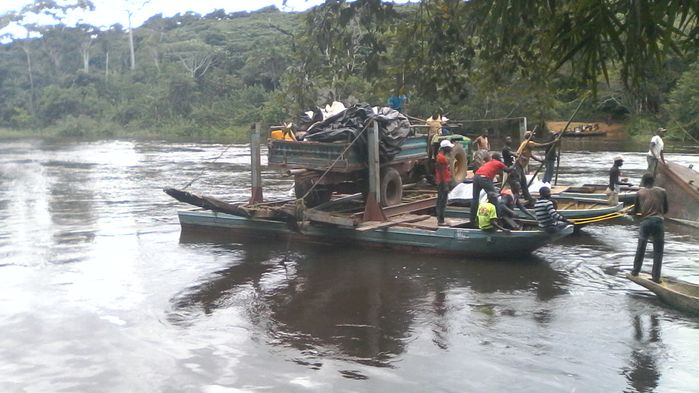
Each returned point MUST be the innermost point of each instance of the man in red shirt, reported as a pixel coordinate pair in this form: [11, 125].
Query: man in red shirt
[483, 180]
[442, 177]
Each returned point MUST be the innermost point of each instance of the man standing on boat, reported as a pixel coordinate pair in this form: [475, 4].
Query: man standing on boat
[615, 182]
[549, 219]
[481, 148]
[651, 204]
[508, 156]
[655, 153]
[550, 158]
[483, 180]
[442, 177]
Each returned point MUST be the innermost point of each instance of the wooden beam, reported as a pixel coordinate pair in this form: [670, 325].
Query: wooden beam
[371, 225]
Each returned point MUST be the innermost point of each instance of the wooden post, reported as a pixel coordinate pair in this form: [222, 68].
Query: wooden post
[255, 165]
[522, 128]
[373, 210]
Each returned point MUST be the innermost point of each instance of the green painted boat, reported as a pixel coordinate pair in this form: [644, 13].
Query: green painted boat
[465, 242]
[680, 294]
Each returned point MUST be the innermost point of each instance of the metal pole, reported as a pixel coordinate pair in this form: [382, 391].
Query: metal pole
[255, 165]
[372, 210]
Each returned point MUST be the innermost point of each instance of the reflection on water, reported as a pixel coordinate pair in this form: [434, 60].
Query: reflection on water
[642, 373]
[328, 303]
[103, 292]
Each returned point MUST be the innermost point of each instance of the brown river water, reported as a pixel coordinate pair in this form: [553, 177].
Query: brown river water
[101, 292]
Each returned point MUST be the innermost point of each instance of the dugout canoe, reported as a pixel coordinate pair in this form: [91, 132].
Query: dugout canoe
[412, 236]
[682, 186]
[680, 294]
[570, 208]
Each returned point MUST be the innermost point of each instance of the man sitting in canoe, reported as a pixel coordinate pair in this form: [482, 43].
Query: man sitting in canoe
[483, 180]
[651, 204]
[487, 214]
[509, 200]
[547, 216]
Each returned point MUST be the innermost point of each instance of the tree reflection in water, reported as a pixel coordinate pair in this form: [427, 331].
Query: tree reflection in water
[332, 302]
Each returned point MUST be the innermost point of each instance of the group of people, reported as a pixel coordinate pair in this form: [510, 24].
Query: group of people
[498, 212]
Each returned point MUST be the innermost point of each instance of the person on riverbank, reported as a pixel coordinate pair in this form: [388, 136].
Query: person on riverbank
[487, 214]
[508, 155]
[655, 152]
[483, 180]
[615, 181]
[651, 204]
[442, 178]
[548, 218]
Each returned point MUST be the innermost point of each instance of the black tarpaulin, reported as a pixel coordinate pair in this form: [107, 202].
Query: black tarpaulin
[346, 125]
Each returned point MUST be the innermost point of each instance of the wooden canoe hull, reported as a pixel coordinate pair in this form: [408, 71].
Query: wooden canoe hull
[682, 186]
[570, 208]
[444, 240]
[679, 294]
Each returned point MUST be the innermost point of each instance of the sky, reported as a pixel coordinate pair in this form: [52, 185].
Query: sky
[109, 12]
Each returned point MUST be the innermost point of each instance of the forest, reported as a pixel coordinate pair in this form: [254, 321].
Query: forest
[210, 76]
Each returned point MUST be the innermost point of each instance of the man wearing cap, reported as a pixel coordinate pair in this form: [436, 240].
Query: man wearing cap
[483, 180]
[615, 181]
[442, 177]
[655, 153]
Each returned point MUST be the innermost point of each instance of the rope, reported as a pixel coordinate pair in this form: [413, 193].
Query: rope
[603, 217]
[197, 177]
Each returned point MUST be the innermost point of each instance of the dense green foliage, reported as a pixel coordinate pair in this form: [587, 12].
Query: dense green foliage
[213, 75]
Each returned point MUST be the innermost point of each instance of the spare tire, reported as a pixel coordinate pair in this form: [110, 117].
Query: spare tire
[320, 193]
[391, 187]
[459, 163]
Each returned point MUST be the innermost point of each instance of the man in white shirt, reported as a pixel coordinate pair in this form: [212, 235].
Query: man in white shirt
[655, 152]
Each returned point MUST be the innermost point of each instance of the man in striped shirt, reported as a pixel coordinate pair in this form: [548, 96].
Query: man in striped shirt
[546, 215]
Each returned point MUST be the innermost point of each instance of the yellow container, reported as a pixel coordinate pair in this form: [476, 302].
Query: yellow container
[279, 134]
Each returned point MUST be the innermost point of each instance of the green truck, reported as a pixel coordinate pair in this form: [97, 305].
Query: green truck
[321, 169]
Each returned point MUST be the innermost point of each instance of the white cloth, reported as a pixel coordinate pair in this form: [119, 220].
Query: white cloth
[333, 109]
[656, 148]
[464, 191]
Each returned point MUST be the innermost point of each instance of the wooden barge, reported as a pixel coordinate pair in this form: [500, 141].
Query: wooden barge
[414, 233]
[355, 219]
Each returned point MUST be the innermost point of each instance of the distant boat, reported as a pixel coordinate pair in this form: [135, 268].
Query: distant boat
[579, 134]
[682, 186]
[677, 293]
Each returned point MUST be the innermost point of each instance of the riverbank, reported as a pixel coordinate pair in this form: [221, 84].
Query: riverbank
[230, 135]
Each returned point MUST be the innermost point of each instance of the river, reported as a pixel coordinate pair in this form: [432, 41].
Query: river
[102, 293]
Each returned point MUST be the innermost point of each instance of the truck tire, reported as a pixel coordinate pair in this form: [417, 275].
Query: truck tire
[320, 193]
[391, 187]
[459, 163]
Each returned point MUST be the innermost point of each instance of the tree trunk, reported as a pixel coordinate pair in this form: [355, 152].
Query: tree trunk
[31, 79]
[106, 66]
[86, 60]
[131, 49]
